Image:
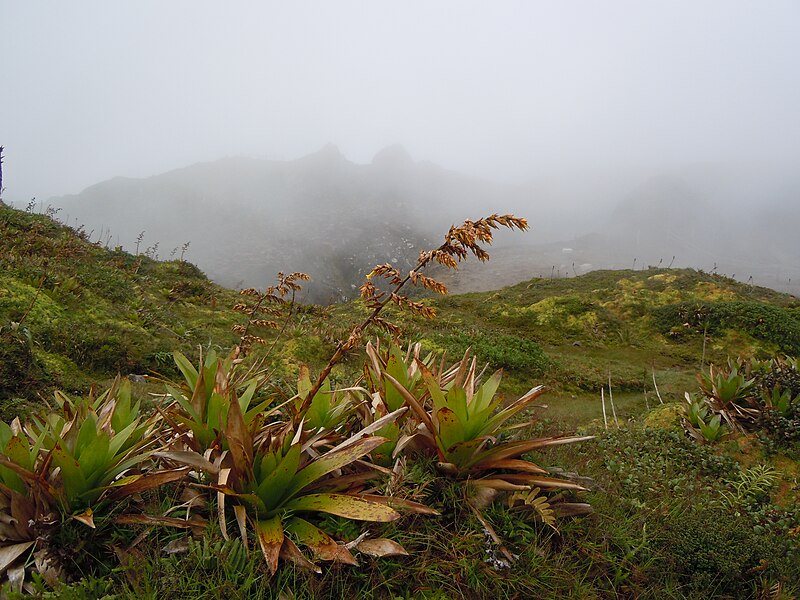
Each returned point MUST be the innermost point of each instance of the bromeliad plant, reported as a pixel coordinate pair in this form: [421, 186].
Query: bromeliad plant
[780, 401]
[199, 411]
[74, 464]
[93, 441]
[466, 425]
[698, 423]
[329, 409]
[729, 393]
[748, 395]
[387, 397]
[276, 473]
[286, 484]
[26, 510]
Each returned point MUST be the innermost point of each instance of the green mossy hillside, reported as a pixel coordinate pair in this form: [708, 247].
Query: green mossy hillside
[575, 333]
[72, 311]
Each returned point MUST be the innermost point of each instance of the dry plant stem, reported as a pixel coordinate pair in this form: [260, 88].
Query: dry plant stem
[256, 308]
[611, 398]
[343, 347]
[33, 301]
[603, 400]
[257, 367]
[705, 338]
[655, 385]
[492, 534]
[286, 321]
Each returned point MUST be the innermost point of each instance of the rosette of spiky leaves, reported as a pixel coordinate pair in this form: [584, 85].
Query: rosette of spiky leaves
[402, 366]
[730, 394]
[698, 423]
[778, 372]
[329, 409]
[26, 509]
[277, 474]
[284, 485]
[26, 521]
[199, 413]
[386, 397]
[76, 463]
[17, 452]
[779, 400]
[466, 424]
[92, 442]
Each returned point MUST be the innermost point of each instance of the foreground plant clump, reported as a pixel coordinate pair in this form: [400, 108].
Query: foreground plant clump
[77, 483]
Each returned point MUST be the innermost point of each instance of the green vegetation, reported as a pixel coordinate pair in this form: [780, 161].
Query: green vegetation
[74, 312]
[245, 475]
[770, 324]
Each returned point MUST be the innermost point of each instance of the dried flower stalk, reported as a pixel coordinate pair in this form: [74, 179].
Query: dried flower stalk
[458, 244]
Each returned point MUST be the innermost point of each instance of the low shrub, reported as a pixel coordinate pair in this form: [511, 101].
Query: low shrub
[501, 351]
[654, 462]
[762, 321]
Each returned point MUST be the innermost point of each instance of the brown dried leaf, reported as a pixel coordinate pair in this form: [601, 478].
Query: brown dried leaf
[148, 482]
[194, 522]
[380, 547]
[10, 553]
[86, 517]
[290, 552]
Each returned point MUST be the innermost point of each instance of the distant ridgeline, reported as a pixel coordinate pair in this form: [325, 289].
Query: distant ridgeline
[334, 219]
[321, 214]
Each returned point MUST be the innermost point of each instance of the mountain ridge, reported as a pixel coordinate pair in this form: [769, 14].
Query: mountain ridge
[247, 218]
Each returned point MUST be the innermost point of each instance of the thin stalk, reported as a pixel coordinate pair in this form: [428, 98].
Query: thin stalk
[655, 385]
[257, 367]
[603, 400]
[611, 398]
[33, 301]
[703, 357]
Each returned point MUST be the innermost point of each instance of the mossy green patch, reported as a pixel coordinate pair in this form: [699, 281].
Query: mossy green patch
[664, 416]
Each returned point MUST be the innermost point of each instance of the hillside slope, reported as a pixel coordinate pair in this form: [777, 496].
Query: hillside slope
[72, 312]
[625, 327]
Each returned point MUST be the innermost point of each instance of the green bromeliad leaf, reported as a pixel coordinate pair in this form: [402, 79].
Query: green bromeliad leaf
[276, 476]
[270, 539]
[323, 546]
[343, 505]
[333, 460]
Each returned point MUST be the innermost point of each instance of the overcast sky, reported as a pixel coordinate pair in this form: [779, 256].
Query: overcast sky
[503, 90]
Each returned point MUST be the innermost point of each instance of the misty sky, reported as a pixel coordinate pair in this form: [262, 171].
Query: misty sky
[502, 90]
